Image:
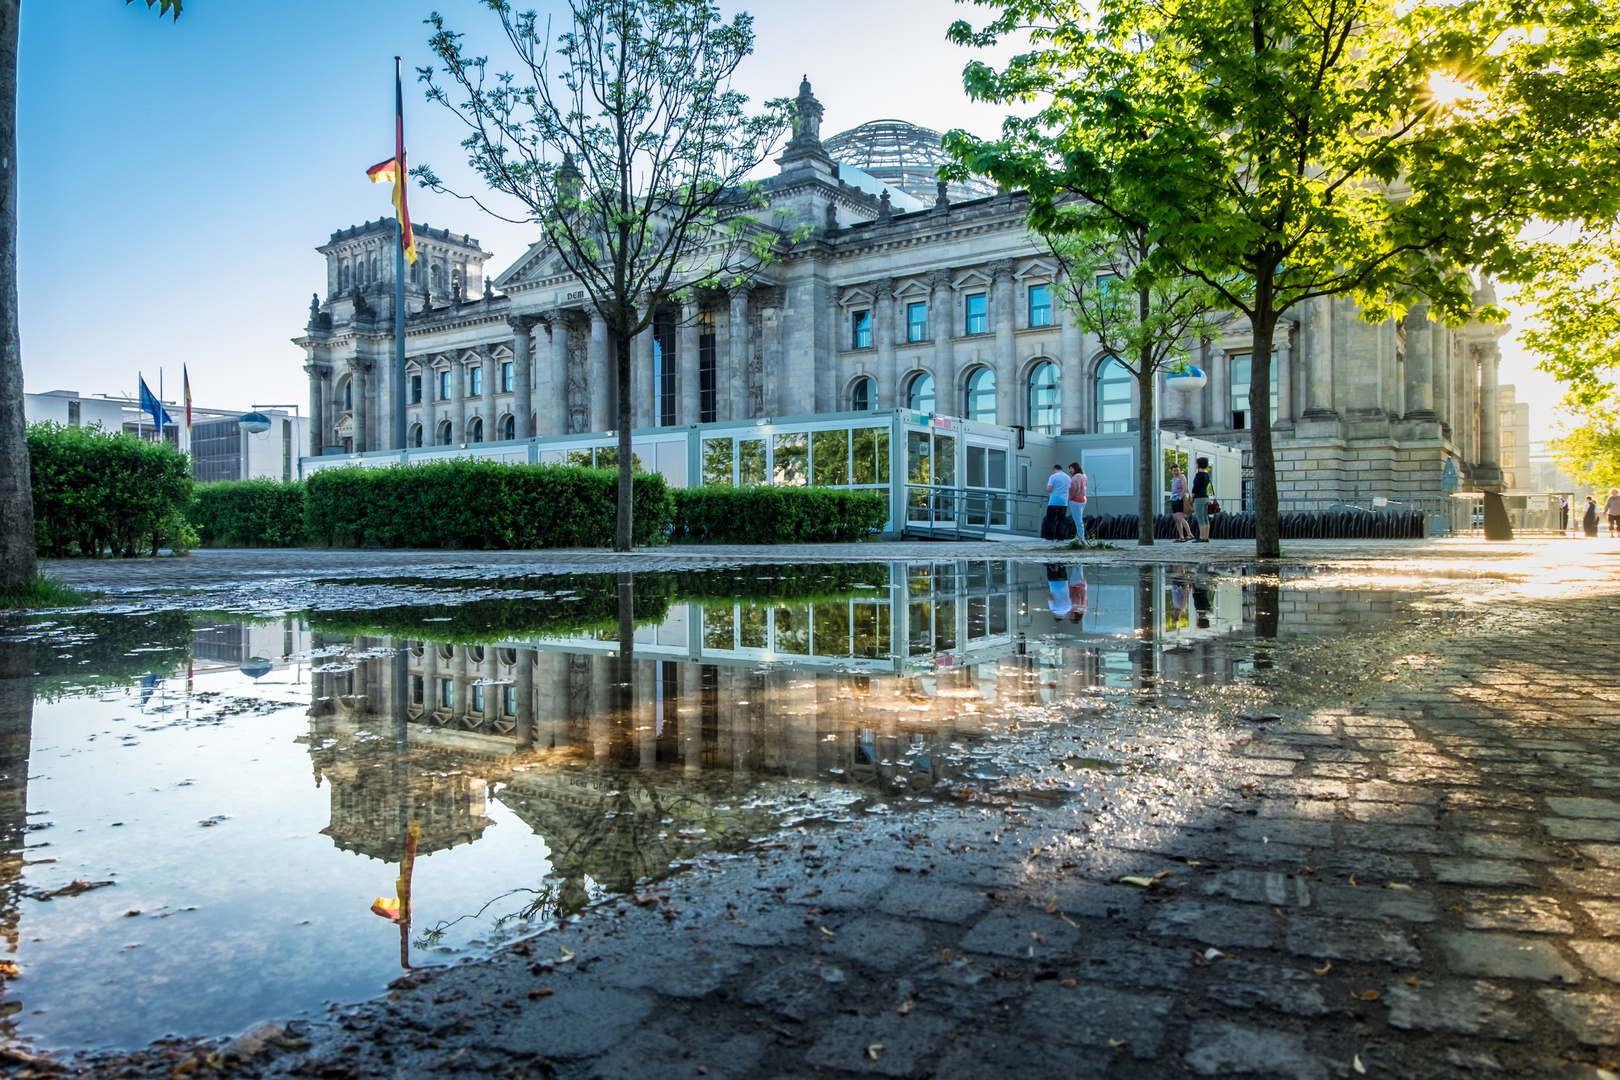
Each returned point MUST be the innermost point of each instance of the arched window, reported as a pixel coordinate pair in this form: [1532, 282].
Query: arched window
[376, 270]
[444, 433]
[509, 428]
[981, 396]
[475, 430]
[343, 276]
[348, 395]
[860, 398]
[920, 396]
[438, 278]
[1044, 414]
[416, 435]
[1113, 397]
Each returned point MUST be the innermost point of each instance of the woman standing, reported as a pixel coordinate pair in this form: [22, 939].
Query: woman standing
[1077, 500]
[1178, 503]
[1612, 510]
[1590, 518]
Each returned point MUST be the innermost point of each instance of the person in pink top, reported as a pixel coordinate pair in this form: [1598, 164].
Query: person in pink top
[1077, 499]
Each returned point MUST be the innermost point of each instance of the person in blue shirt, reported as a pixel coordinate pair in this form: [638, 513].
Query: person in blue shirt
[1057, 504]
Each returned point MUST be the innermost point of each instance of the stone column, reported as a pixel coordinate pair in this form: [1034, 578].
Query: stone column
[942, 328]
[459, 683]
[1419, 365]
[1468, 423]
[522, 372]
[736, 370]
[1005, 358]
[1285, 376]
[1489, 470]
[645, 404]
[1073, 363]
[600, 378]
[429, 388]
[1440, 361]
[525, 697]
[458, 401]
[771, 374]
[891, 394]
[1218, 391]
[317, 420]
[1319, 359]
[492, 386]
[689, 384]
[555, 384]
[358, 375]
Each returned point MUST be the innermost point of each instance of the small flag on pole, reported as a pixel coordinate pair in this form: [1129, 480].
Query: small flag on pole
[394, 169]
[150, 404]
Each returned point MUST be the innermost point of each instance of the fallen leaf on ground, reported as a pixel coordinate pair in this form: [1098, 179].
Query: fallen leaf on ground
[567, 954]
[1119, 1042]
[828, 932]
[1216, 954]
[1357, 1065]
[1051, 907]
[1162, 874]
[544, 991]
[872, 1051]
[1139, 882]
[1070, 983]
[1398, 885]
[1325, 969]
[1365, 995]
[1352, 879]
[1413, 981]
[905, 1007]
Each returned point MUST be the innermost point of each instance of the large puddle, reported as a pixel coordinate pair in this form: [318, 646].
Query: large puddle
[265, 815]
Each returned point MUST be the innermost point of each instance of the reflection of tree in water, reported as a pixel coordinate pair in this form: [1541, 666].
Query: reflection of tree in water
[16, 727]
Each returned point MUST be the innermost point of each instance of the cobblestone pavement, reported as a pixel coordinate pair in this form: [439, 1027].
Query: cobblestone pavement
[1396, 852]
[217, 567]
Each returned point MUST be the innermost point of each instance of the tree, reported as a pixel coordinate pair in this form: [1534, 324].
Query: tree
[17, 563]
[1261, 145]
[1140, 316]
[1589, 452]
[1573, 307]
[629, 149]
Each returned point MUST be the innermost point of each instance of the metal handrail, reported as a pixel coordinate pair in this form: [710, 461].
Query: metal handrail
[971, 511]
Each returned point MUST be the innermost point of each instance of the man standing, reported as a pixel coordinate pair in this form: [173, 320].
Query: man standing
[1077, 500]
[1201, 499]
[1611, 507]
[1563, 513]
[1057, 504]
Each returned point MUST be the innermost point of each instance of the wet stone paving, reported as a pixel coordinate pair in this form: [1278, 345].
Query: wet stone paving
[951, 818]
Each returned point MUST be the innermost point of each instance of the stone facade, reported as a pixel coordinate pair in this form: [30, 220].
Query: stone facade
[893, 301]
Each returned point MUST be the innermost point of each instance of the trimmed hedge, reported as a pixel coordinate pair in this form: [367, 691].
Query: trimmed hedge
[249, 513]
[97, 492]
[480, 505]
[777, 515]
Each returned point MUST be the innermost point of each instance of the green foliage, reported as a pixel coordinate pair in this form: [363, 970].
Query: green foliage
[479, 505]
[249, 513]
[1590, 452]
[1572, 323]
[44, 592]
[777, 515]
[164, 6]
[96, 492]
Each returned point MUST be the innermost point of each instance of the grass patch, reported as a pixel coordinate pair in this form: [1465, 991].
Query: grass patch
[44, 592]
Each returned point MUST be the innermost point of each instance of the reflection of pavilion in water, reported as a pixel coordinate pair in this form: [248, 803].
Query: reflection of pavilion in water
[726, 701]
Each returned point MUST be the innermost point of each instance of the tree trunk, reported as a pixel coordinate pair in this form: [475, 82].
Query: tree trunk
[17, 563]
[621, 336]
[1267, 539]
[1145, 510]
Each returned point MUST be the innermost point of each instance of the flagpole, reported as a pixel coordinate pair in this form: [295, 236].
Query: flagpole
[399, 263]
[140, 408]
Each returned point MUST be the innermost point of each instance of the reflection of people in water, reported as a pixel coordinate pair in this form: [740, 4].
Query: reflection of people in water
[1178, 600]
[1200, 598]
[1077, 593]
[1057, 586]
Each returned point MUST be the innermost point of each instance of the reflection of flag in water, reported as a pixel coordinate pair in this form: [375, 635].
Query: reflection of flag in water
[398, 909]
[149, 683]
[386, 907]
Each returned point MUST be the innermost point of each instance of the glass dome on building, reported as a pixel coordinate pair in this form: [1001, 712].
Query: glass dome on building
[902, 155]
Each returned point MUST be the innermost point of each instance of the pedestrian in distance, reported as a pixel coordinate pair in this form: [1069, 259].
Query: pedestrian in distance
[1178, 504]
[1077, 500]
[1612, 509]
[1200, 494]
[1563, 513]
[1589, 520]
[1057, 504]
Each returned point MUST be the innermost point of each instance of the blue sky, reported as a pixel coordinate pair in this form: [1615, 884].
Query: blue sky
[175, 177]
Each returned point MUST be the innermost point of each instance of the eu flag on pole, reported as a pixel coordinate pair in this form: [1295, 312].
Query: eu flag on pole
[150, 404]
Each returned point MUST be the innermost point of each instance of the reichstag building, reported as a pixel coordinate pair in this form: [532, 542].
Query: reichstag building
[912, 294]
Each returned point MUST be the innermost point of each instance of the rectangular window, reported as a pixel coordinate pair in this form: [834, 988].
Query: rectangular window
[1510, 438]
[717, 462]
[475, 381]
[978, 317]
[73, 414]
[830, 457]
[792, 459]
[478, 697]
[506, 377]
[870, 460]
[1242, 375]
[509, 702]
[1040, 305]
[708, 410]
[917, 321]
[444, 386]
[664, 367]
[860, 330]
[751, 463]
[447, 693]
[1105, 281]
[418, 690]
[416, 389]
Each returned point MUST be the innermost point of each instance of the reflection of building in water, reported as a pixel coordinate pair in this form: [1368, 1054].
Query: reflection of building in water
[731, 702]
